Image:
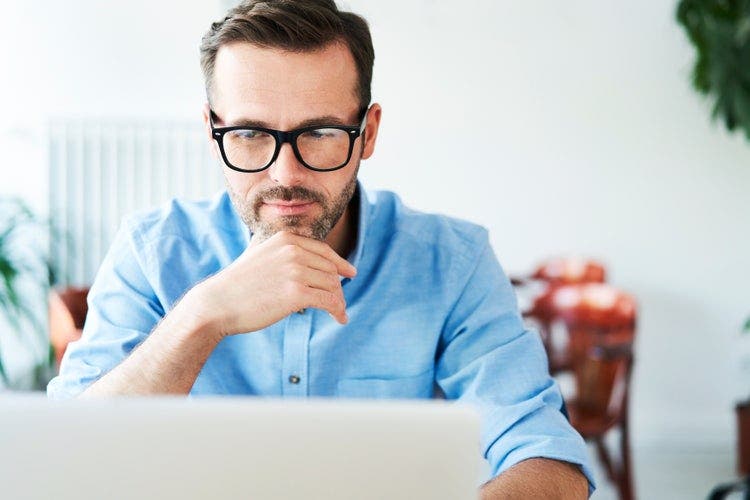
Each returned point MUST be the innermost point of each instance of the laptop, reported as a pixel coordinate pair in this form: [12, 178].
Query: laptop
[231, 448]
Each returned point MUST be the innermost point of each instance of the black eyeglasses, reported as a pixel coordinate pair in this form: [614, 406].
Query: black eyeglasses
[322, 148]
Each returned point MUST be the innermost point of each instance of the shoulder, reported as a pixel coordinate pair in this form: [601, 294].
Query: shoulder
[182, 218]
[426, 232]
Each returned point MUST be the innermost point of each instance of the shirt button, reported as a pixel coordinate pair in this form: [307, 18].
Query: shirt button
[294, 379]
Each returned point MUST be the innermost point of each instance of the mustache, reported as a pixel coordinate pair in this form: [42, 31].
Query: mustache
[288, 193]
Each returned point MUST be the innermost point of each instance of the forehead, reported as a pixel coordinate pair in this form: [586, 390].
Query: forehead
[280, 86]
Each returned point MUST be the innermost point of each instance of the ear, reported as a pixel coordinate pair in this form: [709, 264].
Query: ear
[212, 146]
[371, 130]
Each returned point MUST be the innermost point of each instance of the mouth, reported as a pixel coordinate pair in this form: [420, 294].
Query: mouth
[282, 207]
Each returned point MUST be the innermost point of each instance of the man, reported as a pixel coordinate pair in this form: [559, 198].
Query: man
[297, 282]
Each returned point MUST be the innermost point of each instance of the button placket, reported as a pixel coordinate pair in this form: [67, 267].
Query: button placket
[295, 356]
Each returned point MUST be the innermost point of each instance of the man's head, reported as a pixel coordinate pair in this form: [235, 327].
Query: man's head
[293, 26]
[285, 65]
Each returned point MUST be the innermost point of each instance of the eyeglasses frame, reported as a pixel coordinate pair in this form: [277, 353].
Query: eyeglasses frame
[288, 136]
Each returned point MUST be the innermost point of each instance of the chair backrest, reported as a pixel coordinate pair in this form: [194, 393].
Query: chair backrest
[67, 314]
[569, 270]
[600, 321]
[535, 289]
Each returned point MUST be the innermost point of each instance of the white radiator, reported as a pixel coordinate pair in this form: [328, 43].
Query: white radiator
[100, 171]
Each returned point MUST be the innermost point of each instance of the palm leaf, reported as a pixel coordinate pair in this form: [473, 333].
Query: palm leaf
[21, 260]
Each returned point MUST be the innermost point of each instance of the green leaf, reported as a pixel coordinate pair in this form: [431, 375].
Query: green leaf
[719, 30]
[24, 260]
[747, 325]
[3, 375]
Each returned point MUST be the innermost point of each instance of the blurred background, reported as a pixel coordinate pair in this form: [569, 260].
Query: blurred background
[567, 129]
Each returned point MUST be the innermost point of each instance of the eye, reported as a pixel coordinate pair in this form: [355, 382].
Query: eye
[247, 134]
[323, 133]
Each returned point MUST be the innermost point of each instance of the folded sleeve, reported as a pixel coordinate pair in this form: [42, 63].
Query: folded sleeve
[122, 311]
[488, 360]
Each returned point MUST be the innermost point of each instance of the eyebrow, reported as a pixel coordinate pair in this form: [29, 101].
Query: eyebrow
[310, 122]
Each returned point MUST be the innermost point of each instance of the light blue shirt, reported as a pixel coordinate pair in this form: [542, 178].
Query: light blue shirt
[430, 308]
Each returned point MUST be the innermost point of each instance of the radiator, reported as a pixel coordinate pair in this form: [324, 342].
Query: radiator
[102, 170]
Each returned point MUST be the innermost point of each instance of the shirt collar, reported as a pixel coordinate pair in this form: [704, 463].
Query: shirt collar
[360, 197]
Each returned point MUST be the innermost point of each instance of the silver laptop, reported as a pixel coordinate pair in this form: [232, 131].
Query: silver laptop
[226, 448]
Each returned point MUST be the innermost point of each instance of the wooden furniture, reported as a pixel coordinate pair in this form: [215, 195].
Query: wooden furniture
[568, 271]
[742, 411]
[727, 490]
[546, 277]
[67, 314]
[600, 321]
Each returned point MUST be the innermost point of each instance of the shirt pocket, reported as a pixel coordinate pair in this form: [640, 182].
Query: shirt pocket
[413, 387]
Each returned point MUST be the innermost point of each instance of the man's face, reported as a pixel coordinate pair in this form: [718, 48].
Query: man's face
[284, 91]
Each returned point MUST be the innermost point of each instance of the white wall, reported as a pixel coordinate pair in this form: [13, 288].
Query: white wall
[88, 58]
[562, 127]
[571, 128]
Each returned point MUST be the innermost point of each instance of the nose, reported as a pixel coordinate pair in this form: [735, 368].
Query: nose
[287, 170]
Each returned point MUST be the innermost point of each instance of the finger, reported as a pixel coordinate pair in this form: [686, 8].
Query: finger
[320, 280]
[330, 302]
[343, 267]
[315, 261]
[324, 281]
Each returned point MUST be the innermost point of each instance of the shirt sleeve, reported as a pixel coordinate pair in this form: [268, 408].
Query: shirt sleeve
[122, 311]
[487, 359]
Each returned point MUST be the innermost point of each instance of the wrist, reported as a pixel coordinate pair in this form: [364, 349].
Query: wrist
[199, 315]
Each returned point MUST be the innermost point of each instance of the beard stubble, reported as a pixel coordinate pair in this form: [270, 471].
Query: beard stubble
[318, 228]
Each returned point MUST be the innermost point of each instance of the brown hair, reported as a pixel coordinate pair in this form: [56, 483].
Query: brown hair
[293, 25]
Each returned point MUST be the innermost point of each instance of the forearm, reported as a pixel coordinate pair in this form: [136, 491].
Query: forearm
[538, 478]
[168, 361]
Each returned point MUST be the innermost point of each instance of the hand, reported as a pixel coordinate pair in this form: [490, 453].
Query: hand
[270, 280]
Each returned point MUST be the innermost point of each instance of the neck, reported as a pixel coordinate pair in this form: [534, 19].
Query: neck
[343, 236]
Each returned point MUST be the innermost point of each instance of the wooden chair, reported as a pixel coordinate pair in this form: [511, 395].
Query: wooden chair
[548, 276]
[600, 321]
[565, 271]
[569, 271]
[67, 314]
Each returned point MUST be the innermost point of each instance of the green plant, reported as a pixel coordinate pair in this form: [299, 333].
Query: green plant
[720, 32]
[23, 262]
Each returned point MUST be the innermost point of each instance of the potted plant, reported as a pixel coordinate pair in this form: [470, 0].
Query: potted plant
[742, 411]
[720, 32]
[25, 275]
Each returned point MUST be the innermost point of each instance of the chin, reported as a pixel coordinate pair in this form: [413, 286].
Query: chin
[294, 224]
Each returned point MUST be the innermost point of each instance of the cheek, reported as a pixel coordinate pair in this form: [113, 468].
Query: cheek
[241, 184]
[336, 184]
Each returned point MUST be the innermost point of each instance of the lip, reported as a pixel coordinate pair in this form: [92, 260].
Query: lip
[289, 207]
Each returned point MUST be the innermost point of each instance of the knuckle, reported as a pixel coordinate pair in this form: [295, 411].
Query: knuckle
[291, 251]
[277, 237]
[295, 289]
[292, 272]
[286, 236]
[323, 299]
[332, 300]
[334, 282]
